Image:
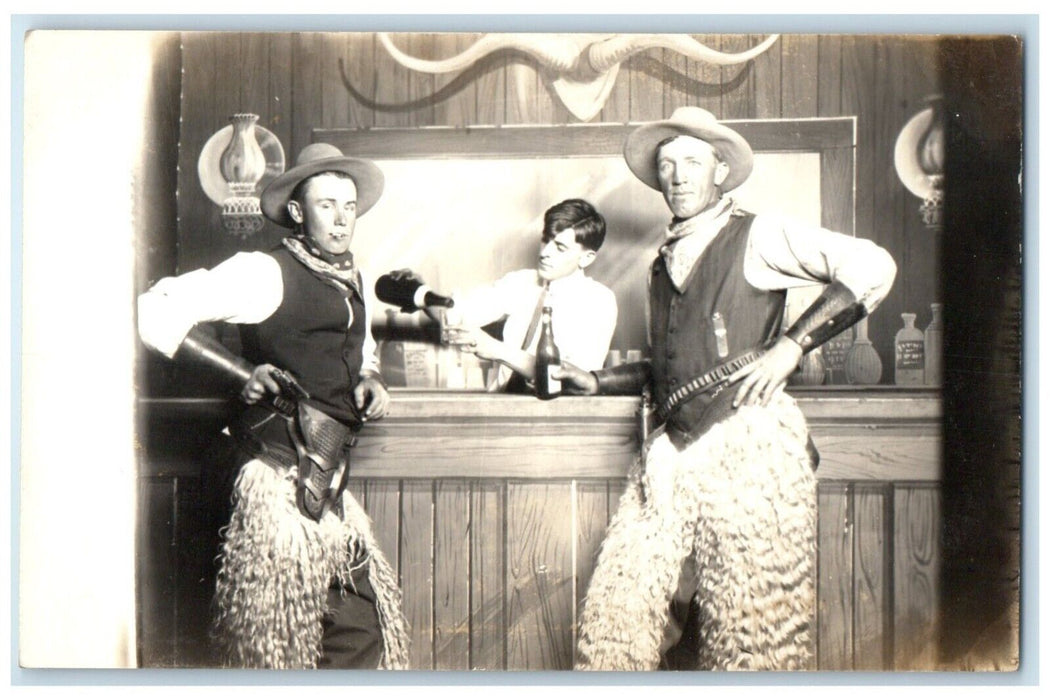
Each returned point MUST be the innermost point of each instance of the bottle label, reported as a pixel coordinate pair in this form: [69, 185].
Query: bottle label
[553, 385]
[910, 354]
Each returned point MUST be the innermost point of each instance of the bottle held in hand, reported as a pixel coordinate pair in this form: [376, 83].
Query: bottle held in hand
[548, 359]
[406, 290]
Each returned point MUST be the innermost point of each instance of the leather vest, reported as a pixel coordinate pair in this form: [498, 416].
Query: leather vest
[686, 325]
[308, 336]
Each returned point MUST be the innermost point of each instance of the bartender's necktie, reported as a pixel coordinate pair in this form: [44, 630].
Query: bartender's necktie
[499, 376]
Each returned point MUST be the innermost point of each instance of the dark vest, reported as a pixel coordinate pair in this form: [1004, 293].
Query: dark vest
[683, 325]
[308, 336]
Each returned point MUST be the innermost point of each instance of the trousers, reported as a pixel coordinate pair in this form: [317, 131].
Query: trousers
[351, 636]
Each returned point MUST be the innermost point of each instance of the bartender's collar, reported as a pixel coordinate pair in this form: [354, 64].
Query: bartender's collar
[575, 275]
[683, 227]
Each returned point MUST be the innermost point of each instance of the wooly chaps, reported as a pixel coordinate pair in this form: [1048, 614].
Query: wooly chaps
[741, 500]
[276, 568]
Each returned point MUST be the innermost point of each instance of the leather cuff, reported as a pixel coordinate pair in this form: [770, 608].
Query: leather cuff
[835, 310]
[627, 379]
[198, 346]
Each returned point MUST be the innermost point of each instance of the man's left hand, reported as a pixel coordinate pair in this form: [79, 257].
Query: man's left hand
[766, 375]
[371, 398]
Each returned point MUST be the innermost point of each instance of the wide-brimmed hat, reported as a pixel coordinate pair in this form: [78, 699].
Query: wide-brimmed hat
[640, 148]
[318, 158]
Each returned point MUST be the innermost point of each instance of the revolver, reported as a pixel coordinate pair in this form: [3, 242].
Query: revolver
[290, 395]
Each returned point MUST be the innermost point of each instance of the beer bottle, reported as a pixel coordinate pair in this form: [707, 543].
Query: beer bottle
[548, 359]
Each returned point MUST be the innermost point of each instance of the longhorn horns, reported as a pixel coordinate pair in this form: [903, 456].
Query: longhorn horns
[605, 54]
[561, 53]
[547, 49]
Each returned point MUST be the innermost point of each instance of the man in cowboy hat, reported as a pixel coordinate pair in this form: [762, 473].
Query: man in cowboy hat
[301, 582]
[717, 529]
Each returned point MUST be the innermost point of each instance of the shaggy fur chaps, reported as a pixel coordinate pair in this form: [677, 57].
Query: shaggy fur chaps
[742, 501]
[276, 567]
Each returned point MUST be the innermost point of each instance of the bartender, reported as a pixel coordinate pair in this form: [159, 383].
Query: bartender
[583, 311]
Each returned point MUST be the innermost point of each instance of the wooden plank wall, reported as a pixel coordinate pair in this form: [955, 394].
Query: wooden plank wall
[300, 81]
[494, 549]
[494, 571]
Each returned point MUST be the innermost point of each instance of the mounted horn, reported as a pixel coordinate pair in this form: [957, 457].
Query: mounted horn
[605, 54]
[553, 51]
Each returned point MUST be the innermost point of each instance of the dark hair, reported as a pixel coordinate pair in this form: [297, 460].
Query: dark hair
[297, 192]
[579, 215]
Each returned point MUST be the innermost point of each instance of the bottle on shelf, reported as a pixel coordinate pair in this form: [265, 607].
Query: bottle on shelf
[812, 368]
[863, 365]
[908, 347]
[548, 359]
[933, 339]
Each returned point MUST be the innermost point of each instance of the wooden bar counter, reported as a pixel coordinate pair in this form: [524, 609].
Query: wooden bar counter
[492, 508]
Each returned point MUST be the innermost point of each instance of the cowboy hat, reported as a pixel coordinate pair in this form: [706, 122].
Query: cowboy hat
[640, 148]
[318, 158]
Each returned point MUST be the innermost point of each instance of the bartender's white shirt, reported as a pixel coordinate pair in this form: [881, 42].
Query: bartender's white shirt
[583, 314]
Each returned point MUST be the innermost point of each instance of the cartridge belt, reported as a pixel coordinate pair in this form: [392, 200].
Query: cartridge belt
[712, 380]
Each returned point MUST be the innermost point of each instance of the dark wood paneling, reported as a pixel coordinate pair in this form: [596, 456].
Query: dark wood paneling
[838, 190]
[307, 104]
[834, 577]
[198, 217]
[888, 192]
[358, 78]
[539, 576]
[457, 99]
[452, 533]
[392, 82]
[647, 89]
[800, 76]
[680, 88]
[277, 116]
[488, 576]
[383, 502]
[766, 69]
[592, 517]
[419, 104]
[710, 77]
[738, 94]
[417, 567]
[829, 72]
[872, 571]
[335, 98]
[916, 566]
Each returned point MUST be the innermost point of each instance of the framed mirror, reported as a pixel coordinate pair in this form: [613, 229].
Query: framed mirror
[464, 206]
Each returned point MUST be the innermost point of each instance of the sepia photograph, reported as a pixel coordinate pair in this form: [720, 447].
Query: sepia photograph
[505, 351]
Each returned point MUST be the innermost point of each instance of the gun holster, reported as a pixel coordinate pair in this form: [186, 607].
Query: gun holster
[322, 446]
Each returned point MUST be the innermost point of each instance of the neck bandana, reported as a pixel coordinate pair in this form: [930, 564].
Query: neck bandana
[686, 240]
[337, 270]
